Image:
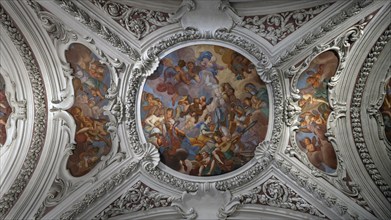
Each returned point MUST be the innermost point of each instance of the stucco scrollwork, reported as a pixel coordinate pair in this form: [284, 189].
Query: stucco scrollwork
[311, 186]
[52, 24]
[105, 32]
[139, 22]
[137, 198]
[10, 197]
[145, 67]
[275, 193]
[340, 45]
[324, 28]
[355, 113]
[104, 188]
[206, 203]
[62, 38]
[18, 108]
[186, 6]
[276, 27]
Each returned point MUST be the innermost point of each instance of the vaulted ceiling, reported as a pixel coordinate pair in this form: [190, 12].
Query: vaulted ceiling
[298, 90]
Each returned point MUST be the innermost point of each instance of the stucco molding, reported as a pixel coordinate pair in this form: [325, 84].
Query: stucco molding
[374, 113]
[94, 25]
[276, 27]
[335, 202]
[341, 46]
[325, 27]
[138, 198]
[9, 198]
[355, 114]
[273, 192]
[18, 108]
[139, 22]
[65, 184]
[104, 188]
[146, 66]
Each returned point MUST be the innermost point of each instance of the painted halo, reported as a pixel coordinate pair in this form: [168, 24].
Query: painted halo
[205, 109]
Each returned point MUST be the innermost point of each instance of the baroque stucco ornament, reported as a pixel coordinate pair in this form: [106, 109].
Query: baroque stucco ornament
[276, 27]
[10, 197]
[137, 198]
[325, 27]
[356, 114]
[275, 193]
[153, 186]
[342, 46]
[374, 111]
[138, 22]
[97, 27]
[143, 69]
[62, 37]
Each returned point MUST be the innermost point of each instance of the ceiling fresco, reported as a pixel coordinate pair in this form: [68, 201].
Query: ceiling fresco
[91, 82]
[195, 109]
[205, 109]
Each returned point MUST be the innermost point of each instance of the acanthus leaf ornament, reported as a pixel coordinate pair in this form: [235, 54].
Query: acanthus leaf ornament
[138, 22]
[10, 197]
[137, 198]
[99, 29]
[276, 27]
[355, 113]
[104, 188]
[52, 25]
[275, 193]
[324, 28]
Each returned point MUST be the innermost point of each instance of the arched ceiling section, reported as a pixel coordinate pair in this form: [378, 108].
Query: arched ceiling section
[106, 95]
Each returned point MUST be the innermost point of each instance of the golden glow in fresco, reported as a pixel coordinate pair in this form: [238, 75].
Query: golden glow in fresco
[5, 111]
[205, 109]
[315, 110]
[386, 111]
[91, 81]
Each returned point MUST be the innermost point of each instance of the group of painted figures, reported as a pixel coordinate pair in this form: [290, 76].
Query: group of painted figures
[90, 84]
[315, 110]
[204, 118]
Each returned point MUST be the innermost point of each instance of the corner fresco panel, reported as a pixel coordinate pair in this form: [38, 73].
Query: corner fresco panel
[5, 111]
[205, 109]
[90, 83]
[315, 110]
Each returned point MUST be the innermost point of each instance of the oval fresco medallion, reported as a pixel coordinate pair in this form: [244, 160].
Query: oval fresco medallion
[90, 84]
[315, 110]
[205, 109]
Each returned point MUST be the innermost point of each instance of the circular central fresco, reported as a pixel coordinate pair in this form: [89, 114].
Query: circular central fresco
[205, 109]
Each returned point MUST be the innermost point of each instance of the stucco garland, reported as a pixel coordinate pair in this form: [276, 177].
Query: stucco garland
[355, 113]
[40, 113]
